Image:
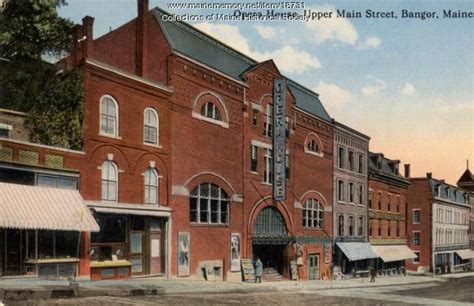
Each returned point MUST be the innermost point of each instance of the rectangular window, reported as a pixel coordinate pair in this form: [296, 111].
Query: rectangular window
[398, 204]
[340, 191]
[287, 127]
[380, 201]
[56, 181]
[351, 226]
[361, 164]
[416, 239]
[351, 160]
[351, 192]
[370, 199]
[268, 128]
[361, 194]
[389, 229]
[255, 117]
[398, 229]
[416, 216]
[417, 258]
[254, 158]
[379, 230]
[340, 228]
[268, 173]
[360, 230]
[340, 157]
[287, 166]
[389, 203]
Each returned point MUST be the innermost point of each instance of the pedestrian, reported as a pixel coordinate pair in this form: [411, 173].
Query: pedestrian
[373, 273]
[258, 270]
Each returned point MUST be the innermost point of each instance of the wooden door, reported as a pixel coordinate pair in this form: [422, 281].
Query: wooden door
[313, 266]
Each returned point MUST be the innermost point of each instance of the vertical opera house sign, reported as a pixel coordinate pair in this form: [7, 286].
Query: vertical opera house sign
[279, 148]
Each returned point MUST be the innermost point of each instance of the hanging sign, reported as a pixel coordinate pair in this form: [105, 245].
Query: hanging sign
[279, 135]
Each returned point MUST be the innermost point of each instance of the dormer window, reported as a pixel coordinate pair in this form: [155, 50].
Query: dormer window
[448, 192]
[438, 191]
[395, 168]
[211, 111]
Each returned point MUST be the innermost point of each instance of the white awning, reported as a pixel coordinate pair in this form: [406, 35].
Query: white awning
[356, 250]
[44, 208]
[390, 253]
[130, 209]
[465, 254]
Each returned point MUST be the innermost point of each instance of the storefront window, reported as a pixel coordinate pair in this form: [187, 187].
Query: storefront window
[110, 241]
[45, 244]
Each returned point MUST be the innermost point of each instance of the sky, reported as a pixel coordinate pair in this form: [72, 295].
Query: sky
[408, 83]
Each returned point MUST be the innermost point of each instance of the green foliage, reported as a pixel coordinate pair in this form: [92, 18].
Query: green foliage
[30, 29]
[56, 116]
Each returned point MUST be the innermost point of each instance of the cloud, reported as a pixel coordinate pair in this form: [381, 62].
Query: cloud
[332, 29]
[467, 107]
[290, 60]
[287, 58]
[331, 94]
[268, 33]
[370, 43]
[408, 90]
[375, 88]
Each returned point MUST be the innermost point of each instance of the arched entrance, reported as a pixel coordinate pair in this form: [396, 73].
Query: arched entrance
[270, 238]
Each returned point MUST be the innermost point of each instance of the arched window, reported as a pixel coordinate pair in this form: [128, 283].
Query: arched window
[151, 187]
[209, 204]
[313, 146]
[268, 123]
[151, 126]
[108, 116]
[109, 181]
[211, 111]
[313, 214]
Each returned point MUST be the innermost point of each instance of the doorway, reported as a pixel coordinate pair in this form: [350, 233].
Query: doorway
[313, 266]
[270, 255]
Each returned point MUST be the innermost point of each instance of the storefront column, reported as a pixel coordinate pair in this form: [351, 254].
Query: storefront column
[84, 259]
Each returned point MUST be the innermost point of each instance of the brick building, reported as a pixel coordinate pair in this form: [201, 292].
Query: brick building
[438, 226]
[466, 182]
[177, 163]
[352, 250]
[388, 214]
[178, 145]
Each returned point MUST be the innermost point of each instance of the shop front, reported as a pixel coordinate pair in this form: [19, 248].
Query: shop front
[452, 261]
[353, 259]
[133, 240]
[40, 230]
[392, 259]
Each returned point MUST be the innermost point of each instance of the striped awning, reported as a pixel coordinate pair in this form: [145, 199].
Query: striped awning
[44, 208]
[390, 253]
[129, 209]
[356, 250]
[465, 254]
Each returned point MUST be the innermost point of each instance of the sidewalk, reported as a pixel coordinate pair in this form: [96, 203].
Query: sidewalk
[31, 289]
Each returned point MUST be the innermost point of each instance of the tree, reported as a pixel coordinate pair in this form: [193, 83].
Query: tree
[29, 31]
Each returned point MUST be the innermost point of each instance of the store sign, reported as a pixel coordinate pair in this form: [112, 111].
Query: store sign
[279, 130]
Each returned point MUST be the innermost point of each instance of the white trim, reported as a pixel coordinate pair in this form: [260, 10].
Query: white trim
[264, 145]
[319, 193]
[211, 173]
[128, 75]
[196, 100]
[198, 116]
[117, 119]
[257, 107]
[4, 126]
[157, 126]
[41, 146]
[210, 68]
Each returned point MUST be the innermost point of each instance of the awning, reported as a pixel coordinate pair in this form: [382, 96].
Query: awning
[130, 209]
[465, 254]
[393, 252]
[356, 250]
[44, 208]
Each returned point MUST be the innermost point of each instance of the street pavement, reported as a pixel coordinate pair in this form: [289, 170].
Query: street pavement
[424, 290]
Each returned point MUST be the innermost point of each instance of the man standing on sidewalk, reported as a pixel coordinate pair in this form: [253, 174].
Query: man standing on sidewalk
[258, 270]
[373, 273]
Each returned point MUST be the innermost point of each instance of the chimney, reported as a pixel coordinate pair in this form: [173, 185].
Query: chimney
[78, 34]
[88, 24]
[141, 53]
[428, 175]
[407, 170]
